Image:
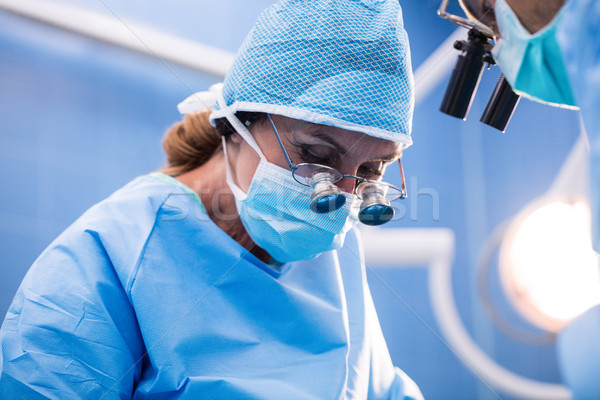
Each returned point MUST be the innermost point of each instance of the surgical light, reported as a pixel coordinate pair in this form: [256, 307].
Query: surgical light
[547, 265]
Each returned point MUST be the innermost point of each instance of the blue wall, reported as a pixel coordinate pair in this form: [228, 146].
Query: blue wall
[78, 119]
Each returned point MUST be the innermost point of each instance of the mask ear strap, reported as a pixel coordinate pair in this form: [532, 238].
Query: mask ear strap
[238, 193]
[238, 126]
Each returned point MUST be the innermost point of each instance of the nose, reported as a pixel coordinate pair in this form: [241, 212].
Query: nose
[347, 184]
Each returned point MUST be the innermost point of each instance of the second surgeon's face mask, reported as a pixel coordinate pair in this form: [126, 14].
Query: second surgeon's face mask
[532, 63]
[276, 212]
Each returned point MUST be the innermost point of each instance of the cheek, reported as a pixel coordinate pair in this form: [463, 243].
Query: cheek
[245, 165]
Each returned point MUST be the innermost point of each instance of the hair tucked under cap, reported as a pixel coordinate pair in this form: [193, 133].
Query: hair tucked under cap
[190, 143]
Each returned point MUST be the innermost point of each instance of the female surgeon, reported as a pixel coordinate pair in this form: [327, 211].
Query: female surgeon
[236, 272]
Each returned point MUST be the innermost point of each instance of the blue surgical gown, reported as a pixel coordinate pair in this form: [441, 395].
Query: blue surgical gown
[578, 352]
[145, 297]
[579, 38]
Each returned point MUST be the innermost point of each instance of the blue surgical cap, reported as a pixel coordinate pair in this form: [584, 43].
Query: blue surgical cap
[344, 63]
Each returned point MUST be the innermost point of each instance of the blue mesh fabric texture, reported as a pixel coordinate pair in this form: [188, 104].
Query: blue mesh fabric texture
[344, 63]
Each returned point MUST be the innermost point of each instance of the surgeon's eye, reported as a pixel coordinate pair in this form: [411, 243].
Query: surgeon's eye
[310, 157]
[369, 172]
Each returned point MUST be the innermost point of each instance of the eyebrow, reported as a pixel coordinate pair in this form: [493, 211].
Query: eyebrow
[340, 149]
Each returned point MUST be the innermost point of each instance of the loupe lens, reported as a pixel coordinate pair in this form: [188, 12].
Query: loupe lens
[376, 214]
[327, 202]
[375, 209]
[326, 196]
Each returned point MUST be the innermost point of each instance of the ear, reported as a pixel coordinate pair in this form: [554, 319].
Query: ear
[235, 138]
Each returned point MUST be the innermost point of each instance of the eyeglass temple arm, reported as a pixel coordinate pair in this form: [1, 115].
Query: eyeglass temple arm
[466, 22]
[404, 194]
[285, 153]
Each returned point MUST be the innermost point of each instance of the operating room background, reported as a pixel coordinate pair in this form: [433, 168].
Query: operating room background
[79, 118]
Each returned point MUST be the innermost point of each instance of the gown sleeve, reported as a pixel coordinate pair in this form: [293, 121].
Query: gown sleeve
[71, 331]
[579, 39]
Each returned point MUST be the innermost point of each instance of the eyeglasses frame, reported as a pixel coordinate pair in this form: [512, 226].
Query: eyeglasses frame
[359, 180]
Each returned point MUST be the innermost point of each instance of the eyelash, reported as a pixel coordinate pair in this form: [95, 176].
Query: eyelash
[308, 157]
[371, 172]
[311, 158]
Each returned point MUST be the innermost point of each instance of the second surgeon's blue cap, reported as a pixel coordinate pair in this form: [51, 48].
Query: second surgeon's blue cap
[344, 63]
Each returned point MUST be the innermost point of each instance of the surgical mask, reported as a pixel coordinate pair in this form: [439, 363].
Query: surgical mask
[532, 63]
[276, 211]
